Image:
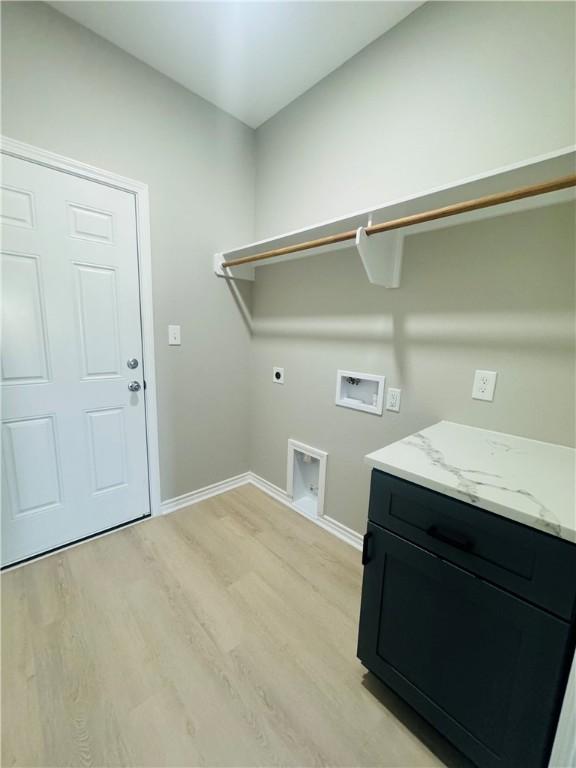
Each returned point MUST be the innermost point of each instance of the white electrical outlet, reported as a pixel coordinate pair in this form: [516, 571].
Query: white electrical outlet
[278, 375]
[484, 385]
[393, 399]
[174, 335]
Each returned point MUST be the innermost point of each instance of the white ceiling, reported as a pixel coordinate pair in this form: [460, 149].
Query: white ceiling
[248, 58]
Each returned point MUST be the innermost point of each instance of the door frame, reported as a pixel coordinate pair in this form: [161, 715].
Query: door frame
[22, 151]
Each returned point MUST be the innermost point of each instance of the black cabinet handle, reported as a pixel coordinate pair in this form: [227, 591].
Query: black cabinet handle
[365, 540]
[453, 538]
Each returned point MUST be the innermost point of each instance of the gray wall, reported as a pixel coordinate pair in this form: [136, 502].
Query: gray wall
[67, 90]
[454, 90]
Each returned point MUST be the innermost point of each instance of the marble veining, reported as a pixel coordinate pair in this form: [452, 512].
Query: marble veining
[470, 488]
[526, 480]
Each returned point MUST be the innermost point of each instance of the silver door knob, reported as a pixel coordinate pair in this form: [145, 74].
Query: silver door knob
[134, 386]
[132, 363]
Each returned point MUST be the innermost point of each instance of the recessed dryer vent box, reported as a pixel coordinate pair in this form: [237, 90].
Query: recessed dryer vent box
[361, 391]
[306, 478]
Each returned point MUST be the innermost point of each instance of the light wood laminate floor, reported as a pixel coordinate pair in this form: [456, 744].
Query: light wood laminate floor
[219, 635]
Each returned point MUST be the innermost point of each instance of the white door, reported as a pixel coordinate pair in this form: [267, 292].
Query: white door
[74, 458]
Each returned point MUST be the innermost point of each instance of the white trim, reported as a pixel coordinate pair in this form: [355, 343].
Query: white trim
[140, 191]
[327, 523]
[188, 499]
[343, 532]
[356, 405]
[62, 163]
[322, 456]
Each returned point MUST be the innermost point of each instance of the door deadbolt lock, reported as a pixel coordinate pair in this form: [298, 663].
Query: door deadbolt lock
[132, 363]
[134, 386]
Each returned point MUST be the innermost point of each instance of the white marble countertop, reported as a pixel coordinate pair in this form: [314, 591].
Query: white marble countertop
[524, 480]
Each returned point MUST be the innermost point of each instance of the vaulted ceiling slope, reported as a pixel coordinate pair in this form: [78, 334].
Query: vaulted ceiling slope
[250, 59]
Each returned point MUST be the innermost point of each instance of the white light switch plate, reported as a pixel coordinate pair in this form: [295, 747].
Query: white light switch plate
[393, 397]
[484, 385]
[174, 335]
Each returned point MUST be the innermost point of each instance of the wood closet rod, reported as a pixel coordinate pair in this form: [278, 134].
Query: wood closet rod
[417, 218]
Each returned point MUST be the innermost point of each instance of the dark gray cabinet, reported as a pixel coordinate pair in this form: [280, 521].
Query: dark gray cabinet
[484, 664]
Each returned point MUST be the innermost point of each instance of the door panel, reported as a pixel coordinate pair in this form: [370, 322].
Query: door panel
[89, 224]
[98, 320]
[107, 447]
[17, 207]
[32, 466]
[75, 458]
[480, 664]
[24, 354]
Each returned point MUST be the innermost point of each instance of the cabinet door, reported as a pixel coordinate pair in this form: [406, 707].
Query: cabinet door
[482, 666]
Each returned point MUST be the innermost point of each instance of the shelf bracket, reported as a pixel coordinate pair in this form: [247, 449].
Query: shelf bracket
[381, 256]
[246, 272]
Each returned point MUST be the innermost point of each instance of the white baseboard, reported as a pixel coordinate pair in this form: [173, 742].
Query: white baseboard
[332, 526]
[272, 490]
[187, 499]
[329, 524]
